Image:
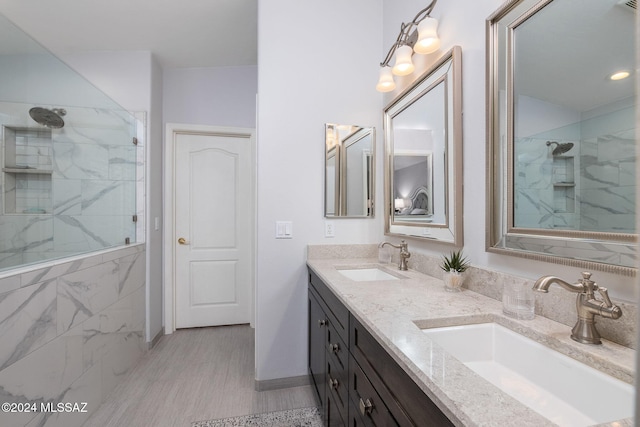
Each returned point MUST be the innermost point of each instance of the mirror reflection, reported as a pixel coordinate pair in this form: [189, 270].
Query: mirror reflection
[423, 142]
[574, 138]
[349, 170]
[562, 124]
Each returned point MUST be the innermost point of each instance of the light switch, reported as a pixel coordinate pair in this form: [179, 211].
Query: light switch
[284, 230]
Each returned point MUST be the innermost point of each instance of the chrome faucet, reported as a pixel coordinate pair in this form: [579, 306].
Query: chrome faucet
[587, 305]
[404, 253]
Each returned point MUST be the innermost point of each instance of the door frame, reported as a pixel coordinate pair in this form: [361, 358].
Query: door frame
[172, 131]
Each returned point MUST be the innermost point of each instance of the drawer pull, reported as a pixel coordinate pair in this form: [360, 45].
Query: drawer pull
[334, 347]
[322, 323]
[333, 383]
[366, 407]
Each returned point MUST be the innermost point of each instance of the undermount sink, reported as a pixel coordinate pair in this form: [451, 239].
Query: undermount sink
[366, 274]
[565, 391]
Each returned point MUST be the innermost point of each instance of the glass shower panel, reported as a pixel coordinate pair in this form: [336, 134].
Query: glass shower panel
[69, 159]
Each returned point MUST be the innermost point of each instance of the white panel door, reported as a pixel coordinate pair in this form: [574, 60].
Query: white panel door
[213, 229]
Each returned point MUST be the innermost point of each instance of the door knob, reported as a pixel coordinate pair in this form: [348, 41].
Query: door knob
[182, 241]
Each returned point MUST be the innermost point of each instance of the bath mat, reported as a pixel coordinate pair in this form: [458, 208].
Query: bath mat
[305, 417]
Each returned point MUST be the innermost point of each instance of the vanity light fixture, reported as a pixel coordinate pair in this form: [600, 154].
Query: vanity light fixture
[619, 75]
[422, 40]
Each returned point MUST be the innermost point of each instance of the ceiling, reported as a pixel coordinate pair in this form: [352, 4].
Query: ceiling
[187, 33]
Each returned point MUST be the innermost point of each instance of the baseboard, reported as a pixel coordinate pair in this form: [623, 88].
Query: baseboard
[155, 340]
[279, 383]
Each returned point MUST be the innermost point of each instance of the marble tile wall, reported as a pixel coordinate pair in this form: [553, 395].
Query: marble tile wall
[557, 305]
[70, 331]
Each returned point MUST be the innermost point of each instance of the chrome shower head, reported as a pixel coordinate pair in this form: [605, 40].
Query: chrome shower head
[560, 148]
[49, 118]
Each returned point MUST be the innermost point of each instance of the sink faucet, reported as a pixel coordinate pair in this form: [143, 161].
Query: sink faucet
[404, 253]
[587, 305]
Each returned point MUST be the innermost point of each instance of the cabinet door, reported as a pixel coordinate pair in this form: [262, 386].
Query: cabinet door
[317, 351]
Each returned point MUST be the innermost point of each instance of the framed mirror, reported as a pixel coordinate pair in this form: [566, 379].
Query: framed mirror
[561, 133]
[349, 171]
[423, 155]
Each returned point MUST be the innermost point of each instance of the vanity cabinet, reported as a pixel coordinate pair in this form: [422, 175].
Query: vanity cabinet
[357, 382]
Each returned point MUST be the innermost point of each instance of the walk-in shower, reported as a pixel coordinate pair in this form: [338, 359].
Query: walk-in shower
[67, 186]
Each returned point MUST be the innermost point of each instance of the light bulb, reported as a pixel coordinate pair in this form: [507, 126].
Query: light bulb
[385, 82]
[428, 40]
[403, 65]
[619, 75]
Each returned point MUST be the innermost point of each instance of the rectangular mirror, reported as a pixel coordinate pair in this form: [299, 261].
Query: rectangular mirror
[349, 171]
[561, 133]
[423, 155]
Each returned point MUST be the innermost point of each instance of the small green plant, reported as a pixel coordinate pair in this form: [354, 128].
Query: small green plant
[454, 262]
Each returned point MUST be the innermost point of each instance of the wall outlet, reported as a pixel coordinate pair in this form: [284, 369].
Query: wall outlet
[329, 229]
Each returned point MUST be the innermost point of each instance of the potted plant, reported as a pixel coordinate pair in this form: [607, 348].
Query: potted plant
[454, 266]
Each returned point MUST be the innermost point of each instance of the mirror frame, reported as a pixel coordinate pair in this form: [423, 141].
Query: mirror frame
[451, 232]
[338, 151]
[500, 166]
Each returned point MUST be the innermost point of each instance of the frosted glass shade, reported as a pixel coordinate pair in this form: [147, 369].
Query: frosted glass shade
[385, 82]
[428, 40]
[403, 65]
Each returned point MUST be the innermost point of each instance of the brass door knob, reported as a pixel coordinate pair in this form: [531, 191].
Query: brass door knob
[182, 241]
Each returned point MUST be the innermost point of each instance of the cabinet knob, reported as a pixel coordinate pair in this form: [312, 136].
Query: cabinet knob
[322, 323]
[333, 383]
[366, 407]
[334, 347]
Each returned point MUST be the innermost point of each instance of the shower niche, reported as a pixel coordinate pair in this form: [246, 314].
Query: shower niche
[27, 170]
[563, 178]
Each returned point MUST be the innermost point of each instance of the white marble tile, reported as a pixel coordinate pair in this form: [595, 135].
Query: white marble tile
[85, 390]
[108, 197]
[43, 375]
[67, 197]
[10, 283]
[73, 160]
[132, 270]
[27, 320]
[122, 162]
[85, 293]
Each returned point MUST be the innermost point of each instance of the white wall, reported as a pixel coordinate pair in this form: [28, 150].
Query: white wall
[222, 96]
[134, 80]
[317, 64]
[463, 23]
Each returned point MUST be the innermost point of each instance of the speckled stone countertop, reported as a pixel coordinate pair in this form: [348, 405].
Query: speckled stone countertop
[395, 311]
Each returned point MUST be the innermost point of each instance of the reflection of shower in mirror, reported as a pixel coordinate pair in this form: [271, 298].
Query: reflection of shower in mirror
[560, 148]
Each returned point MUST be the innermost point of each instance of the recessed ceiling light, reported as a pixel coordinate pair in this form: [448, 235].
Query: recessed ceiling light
[619, 75]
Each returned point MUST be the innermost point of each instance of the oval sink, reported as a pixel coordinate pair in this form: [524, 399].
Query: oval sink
[565, 391]
[366, 274]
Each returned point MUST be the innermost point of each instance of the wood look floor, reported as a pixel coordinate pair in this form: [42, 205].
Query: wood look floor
[195, 375]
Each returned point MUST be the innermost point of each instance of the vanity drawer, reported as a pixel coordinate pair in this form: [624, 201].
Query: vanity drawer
[332, 413]
[336, 311]
[338, 387]
[366, 407]
[408, 404]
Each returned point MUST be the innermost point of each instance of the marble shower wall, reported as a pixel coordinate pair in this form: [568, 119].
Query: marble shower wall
[591, 187]
[70, 332]
[89, 197]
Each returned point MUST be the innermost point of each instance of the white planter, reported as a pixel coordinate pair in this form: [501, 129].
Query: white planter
[453, 281]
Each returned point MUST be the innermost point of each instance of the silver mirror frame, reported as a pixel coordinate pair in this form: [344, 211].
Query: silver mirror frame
[555, 246]
[451, 232]
[338, 182]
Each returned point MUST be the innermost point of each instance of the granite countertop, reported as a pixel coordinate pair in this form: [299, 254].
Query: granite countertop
[395, 311]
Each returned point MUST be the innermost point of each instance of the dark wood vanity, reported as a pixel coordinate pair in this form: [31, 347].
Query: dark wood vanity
[357, 382]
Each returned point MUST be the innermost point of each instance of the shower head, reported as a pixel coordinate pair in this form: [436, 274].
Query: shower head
[560, 148]
[49, 118]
